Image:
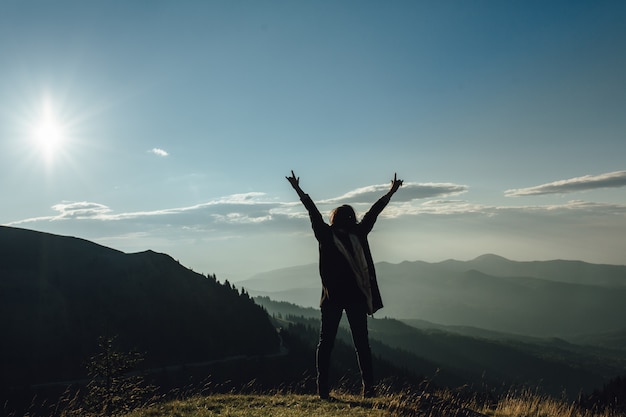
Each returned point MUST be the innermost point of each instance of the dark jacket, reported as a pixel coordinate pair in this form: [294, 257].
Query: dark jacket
[339, 284]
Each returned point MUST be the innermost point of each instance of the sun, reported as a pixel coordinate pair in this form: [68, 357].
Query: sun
[48, 132]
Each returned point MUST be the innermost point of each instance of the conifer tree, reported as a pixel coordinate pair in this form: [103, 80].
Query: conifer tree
[115, 386]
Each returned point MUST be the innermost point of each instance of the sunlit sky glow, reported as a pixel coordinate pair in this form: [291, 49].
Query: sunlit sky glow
[171, 126]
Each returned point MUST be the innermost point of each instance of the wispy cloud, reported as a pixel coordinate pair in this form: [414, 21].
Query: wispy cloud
[587, 182]
[79, 210]
[237, 207]
[234, 211]
[409, 191]
[243, 211]
[159, 152]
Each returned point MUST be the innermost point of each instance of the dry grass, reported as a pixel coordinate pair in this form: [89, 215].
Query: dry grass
[407, 403]
[441, 404]
[257, 405]
[530, 404]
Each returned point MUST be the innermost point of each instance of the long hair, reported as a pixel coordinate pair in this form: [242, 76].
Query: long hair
[343, 217]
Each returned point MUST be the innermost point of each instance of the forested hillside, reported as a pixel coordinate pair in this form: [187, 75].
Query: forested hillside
[59, 294]
[501, 361]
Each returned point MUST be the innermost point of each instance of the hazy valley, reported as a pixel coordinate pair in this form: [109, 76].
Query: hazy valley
[543, 298]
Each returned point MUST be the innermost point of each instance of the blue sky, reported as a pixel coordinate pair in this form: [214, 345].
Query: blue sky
[171, 126]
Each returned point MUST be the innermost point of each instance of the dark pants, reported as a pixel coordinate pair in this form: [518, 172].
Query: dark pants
[357, 317]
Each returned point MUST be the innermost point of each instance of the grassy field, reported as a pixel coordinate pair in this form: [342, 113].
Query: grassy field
[347, 405]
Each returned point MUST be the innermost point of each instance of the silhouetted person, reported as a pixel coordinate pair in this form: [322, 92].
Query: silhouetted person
[348, 280]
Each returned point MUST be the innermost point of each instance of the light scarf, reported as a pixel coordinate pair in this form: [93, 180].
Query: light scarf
[358, 264]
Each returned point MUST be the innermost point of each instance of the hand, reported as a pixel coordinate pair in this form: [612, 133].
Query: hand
[293, 180]
[295, 183]
[395, 183]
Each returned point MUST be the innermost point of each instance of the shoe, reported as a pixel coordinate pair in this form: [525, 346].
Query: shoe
[323, 390]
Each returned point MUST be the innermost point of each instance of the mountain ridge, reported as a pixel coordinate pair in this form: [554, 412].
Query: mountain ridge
[577, 271]
[539, 298]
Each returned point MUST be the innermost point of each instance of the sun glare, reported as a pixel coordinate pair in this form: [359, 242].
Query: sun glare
[48, 133]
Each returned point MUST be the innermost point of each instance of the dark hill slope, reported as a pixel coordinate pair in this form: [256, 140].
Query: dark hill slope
[59, 294]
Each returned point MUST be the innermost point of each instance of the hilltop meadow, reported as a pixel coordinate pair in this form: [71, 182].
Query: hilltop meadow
[442, 403]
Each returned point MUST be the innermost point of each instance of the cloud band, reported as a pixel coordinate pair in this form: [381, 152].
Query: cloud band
[584, 183]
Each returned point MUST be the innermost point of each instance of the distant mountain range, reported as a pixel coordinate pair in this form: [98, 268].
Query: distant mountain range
[542, 298]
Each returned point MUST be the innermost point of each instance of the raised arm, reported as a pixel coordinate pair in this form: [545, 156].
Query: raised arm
[295, 183]
[370, 217]
[320, 228]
